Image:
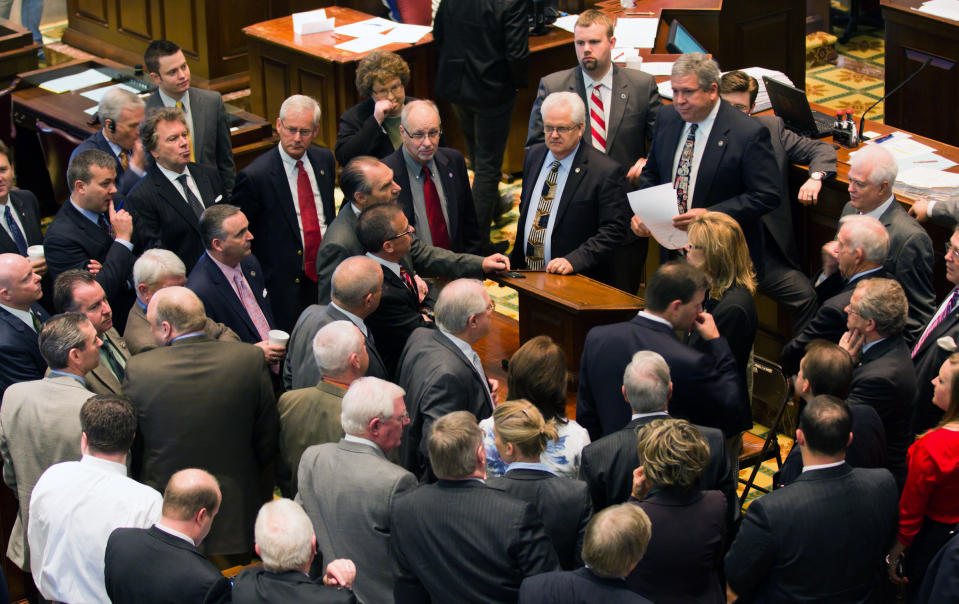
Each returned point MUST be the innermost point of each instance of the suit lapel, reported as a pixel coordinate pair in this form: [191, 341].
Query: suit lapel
[200, 126]
[222, 285]
[577, 172]
[577, 85]
[284, 197]
[446, 181]
[27, 219]
[257, 286]
[716, 146]
[91, 230]
[672, 129]
[444, 341]
[618, 98]
[400, 285]
[169, 192]
[328, 208]
[949, 322]
[536, 155]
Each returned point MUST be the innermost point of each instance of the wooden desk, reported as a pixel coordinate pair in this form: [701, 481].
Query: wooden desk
[18, 51]
[926, 105]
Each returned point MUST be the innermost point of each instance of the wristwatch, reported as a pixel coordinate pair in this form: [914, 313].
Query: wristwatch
[817, 175]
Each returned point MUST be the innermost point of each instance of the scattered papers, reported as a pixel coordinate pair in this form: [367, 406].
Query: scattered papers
[90, 111]
[96, 95]
[567, 22]
[926, 178]
[407, 33]
[910, 153]
[312, 22]
[636, 33]
[658, 69]
[656, 207]
[84, 79]
[621, 54]
[363, 44]
[947, 9]
[377, 32]
[930, 161]
[370, 27]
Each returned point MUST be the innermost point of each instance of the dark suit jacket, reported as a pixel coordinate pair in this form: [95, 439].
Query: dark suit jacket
[780, 553]
[463, 541]
[592, 216]
[224, 421]
[360, 134]
[19, 349]
[125, 179]
[563, 505]
[463, 229]
[580, 586]
[221, 302]
[165, 219]
[886, 380]
[941, 582]
[212, 145]
[438, 379]
[829, 323]
[910, 262]
[72, 241]
[608, 463]
[259, 586]
[737, 175]
[149, 565]
[28, 211]
[263, 193]
[394, 320]
[634, 102]
[483, 51]
[927, 362]
[706, 388]
[299, 368]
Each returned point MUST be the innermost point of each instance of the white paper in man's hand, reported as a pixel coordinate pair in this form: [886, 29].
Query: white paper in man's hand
[656, 207]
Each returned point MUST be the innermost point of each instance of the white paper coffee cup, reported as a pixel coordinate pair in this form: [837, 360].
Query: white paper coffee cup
[278, 337]
[634, 63]
[35, 252]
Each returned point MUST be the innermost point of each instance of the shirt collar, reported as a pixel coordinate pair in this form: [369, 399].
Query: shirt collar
[114, 147]
[91, 216]
[877, 212]
[606, 80]
[170, 174]
[229, 271]
[169, 101]
[526, 465]
[655, 318]
[566, 162]
[463, 346]
[104, 465]
[175, 533]
[355, 209]
[355, 319]
[393, 266]
[289, 164]
[24, 315]
[653, 414]
[866, 347]
[707, 123]
[78, 378]
[187, 335]
[414, 166]
[360, 440]
[823, 466]
[864, 273]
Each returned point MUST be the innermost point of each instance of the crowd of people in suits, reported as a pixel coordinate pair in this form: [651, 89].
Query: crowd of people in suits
[217, 334]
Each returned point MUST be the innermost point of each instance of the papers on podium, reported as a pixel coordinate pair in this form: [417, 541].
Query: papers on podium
[312, 22]
[656, 207]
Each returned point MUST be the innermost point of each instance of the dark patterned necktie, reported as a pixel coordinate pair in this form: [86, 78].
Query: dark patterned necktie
[681, 184]
[537, 233]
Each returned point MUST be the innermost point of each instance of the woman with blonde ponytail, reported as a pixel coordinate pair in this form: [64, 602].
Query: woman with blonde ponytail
[564, 504]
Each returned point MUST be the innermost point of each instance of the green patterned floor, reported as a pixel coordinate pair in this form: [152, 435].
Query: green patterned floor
[857, 81]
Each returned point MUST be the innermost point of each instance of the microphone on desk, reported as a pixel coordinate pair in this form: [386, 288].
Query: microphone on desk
[862, 120]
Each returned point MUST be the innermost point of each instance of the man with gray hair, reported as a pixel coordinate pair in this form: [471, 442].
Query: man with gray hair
[608, 463]
[357, 470]
[40, 419]
[120, 114]
[884, 378]
[311, 416]
[573, 210]
[441, 372]
[287, 193]
[286, 544]
[716, 158]
[861, 246]
[155, 269]
[357, 284]
[434, 186]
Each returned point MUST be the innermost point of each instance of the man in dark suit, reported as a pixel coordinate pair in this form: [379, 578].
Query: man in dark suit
[862, 244]
[706, 389]
[782, 552]
[230, 282]
[625, 101]
[827, 369]
[483, 55]
[357, 287]
[573, 209]
[170, 199]
[223, 393]
[910, 259]
[162, 563]
[884, 378]
[287, 193]
[19, 215]
[430, 524]
[941, 582]
[782, 279]
[287, 545]
[434, 185]
[608, 463]
[205, 114]
[120, 113]
[441, 372]
[89, 232]
[615, 542]
[20, 320]
[725, 160]
[927, 355]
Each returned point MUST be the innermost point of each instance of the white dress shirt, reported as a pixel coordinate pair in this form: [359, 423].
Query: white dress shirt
[173, 176]
[605, 94]
[292, 176]
[561, 175]
[73, 509]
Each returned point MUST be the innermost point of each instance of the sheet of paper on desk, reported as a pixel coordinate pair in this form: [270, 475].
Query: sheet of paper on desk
[407, 33]
[567, 22]
[312, 22]
[657, 69]
[656, 207]
[636, 33]
[89, 77]
[927, 178]
[930, 161]
[948, 9]
[96, 95]
[376, 25]
[364, 44]
[902, 146]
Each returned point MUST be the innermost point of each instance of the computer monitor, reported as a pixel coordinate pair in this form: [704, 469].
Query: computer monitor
[542, 13]
[681, 41]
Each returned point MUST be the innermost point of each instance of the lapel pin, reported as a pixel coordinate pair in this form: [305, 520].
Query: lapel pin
[253, 273]
[721, 143]
[451, 175]
[264, 292]
[322, 172]
[622, 95]
[576, 170]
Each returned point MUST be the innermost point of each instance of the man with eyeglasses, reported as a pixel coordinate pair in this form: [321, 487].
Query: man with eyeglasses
[434, 186]
[287, 195]
[573, 209]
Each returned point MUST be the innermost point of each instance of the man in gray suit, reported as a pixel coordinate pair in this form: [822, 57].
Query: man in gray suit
[357, 287]
[356, 470]
[441, 372]
[204, 110]
[40, 420]
[311, 416]
[76, 290]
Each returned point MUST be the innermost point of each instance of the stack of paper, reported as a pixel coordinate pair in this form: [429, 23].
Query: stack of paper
[636, 33]
[377, 32]
[312, 22]
[947, 9]
[84, 79]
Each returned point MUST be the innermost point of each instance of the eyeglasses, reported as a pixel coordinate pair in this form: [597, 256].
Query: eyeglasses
[492, 306]
[408, 231]
[562, 130]
[382, 92]
[418, 136]
[304, 132]
[852, 310]
[953, 252]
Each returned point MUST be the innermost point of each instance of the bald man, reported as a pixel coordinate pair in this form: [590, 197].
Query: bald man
[20, 320]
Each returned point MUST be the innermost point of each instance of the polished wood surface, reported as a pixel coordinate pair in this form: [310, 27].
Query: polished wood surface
[926, 105]
[18, 51]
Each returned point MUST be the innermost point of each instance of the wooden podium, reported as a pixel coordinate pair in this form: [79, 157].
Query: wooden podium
[565, 308]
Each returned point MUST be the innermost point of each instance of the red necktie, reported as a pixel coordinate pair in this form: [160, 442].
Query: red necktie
[434, 212]
[311, 223]
[597, 121]
[410, 284]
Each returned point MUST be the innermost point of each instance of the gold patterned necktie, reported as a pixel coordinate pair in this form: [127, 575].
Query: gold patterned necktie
[537, 233]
